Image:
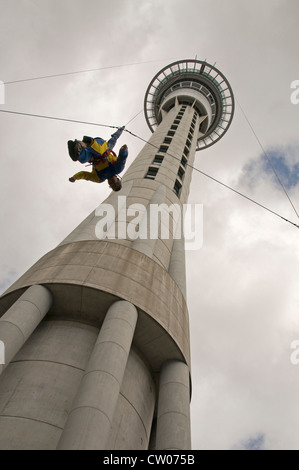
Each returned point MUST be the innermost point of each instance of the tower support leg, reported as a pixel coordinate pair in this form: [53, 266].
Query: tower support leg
[173, 421]
[21, 319]
[89, 422]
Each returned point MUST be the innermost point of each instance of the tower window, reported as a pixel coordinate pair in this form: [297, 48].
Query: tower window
[176, 121]
[188, 143]
[190, 135]
[186, 151]
[167, 140]
[158, 159]
[184, 161]
[177, 188]
[181, 173]
[151, 173]
[174, 127]
[163, 148]
[171, 133]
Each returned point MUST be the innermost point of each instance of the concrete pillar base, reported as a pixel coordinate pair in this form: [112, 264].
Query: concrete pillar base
[173, 421]
[90, 420]
[17, 324]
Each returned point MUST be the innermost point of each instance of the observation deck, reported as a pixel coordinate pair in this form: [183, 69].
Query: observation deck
[198, 84]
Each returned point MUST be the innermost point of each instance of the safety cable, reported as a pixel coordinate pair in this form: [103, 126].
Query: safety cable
[217, 181]
[269, 160]
[134, 117]
[81, 71]
[58, 119]
[149, 143]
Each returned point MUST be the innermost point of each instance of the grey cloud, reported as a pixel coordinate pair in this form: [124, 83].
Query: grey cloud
[242, 285]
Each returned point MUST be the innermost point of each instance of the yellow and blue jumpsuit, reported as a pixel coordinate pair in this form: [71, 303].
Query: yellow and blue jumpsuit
[109, 165]
[97, 146]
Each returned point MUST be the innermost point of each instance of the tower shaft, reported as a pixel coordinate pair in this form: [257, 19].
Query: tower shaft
[86, 278]
[98, 329]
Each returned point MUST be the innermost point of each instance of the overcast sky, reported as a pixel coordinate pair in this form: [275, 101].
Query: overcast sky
[242, 284]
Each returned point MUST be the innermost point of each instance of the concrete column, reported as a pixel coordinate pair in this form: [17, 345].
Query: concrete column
[173, 418]
[89, 422]
[21, 319]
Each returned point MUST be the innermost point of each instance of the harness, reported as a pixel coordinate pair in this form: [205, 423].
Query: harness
[104, 161]
[104, 157]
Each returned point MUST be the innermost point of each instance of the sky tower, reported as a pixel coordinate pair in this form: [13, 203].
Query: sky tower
[96, 333]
